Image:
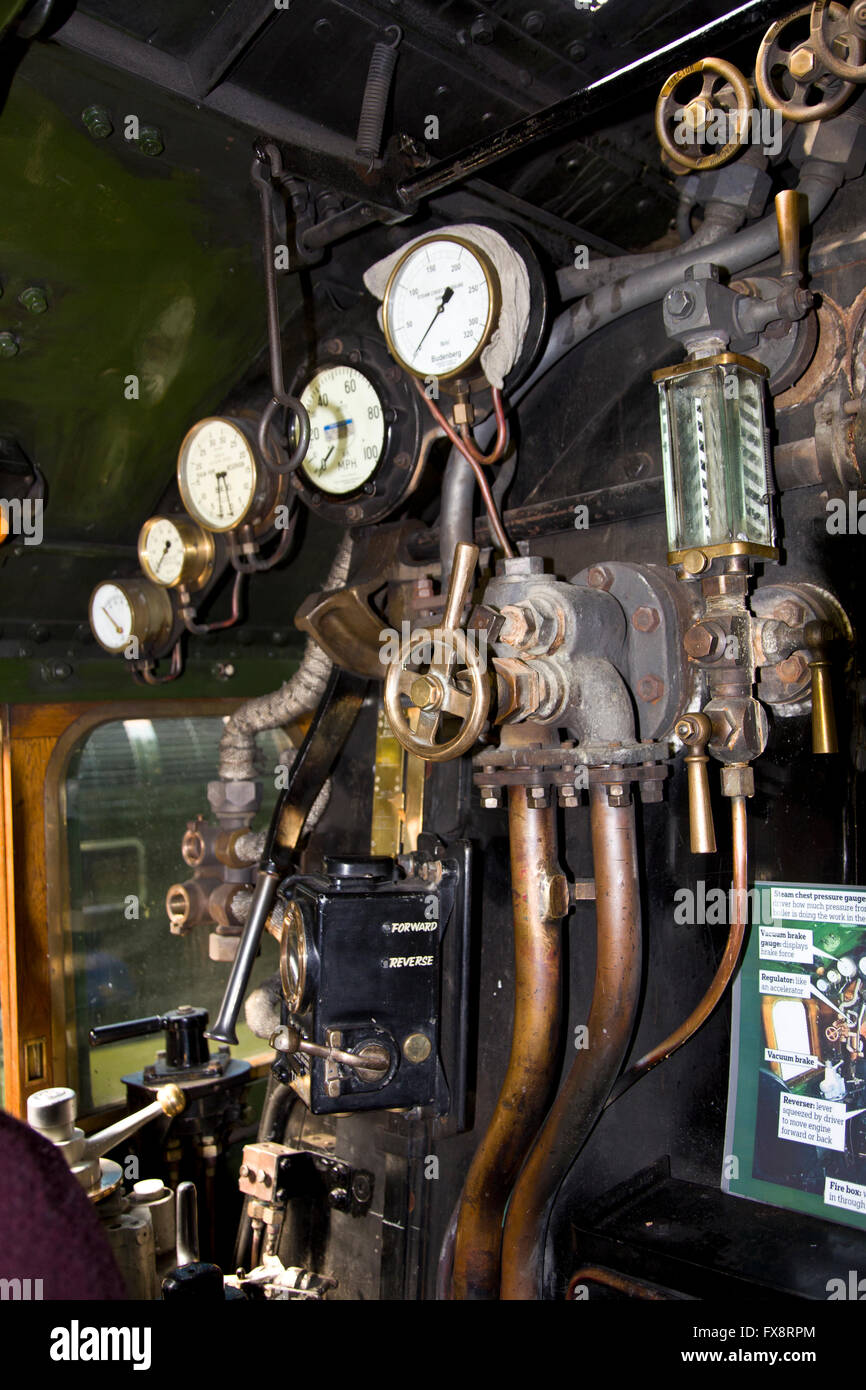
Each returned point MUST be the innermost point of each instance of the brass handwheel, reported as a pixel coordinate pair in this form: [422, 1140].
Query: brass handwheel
[805, 68]
[448, 655]
[724, 91]
[824, 36]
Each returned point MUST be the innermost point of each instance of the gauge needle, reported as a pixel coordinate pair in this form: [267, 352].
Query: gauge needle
[220, 482]
[115, 625]
[162, 557]
[446, 295]
[323, 465]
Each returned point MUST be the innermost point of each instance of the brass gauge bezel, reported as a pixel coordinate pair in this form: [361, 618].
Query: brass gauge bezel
[199, 555]
[268, 490]
[151, 607]
[494, 308]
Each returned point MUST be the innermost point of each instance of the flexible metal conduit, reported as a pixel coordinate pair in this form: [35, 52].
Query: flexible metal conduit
[540, 900]
[298, 695]
[592, 1073]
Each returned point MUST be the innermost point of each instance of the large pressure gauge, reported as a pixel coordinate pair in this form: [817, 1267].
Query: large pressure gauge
[222, 483]
[173, 550]
[130, 610]
[347, 430]
[441, 307]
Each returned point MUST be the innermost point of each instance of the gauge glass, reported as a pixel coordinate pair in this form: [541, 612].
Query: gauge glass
[438, 308]
[347, 430]
[111, 617]
[162, 551]
[217, 474]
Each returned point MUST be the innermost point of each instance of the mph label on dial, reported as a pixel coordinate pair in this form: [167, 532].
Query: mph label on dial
[347, 430]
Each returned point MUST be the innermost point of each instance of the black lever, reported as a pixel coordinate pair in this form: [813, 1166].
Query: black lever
[329, 730]
[185, 1044]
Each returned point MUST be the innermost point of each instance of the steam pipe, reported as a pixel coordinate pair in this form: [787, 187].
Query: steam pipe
[540, 900]
[723, 976]
[611, 1021]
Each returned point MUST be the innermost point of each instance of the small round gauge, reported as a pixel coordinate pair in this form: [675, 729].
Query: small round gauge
[834, 977]
[441, 307]
[174, 550]
[218, 474]
[124, 610]
[347, 430]
[847, 967]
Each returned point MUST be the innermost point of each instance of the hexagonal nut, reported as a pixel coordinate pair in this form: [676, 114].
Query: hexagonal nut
[738, 779]
[702, 641]
[150, 140]
[789, 611]
[618, 794]
[546, 625]
[464, 413]
[599, 577]
[515, 629]
[222, 949]
[645, 619]
[793, 669]
[538, 798]
[234, 798]
[650, 688]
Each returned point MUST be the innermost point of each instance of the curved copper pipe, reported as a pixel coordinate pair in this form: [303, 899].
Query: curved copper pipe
[611, 1020]
[597, 1274]
[727, 965]
[540, 900]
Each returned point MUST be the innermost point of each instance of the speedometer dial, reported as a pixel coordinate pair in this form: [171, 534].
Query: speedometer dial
[347, 430]
[217, 474]
[440, 307]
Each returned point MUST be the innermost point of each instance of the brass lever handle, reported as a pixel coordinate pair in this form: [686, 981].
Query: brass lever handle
[824, 738]
[695, 731]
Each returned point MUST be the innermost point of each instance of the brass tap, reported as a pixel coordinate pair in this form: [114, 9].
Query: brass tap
[695, 731]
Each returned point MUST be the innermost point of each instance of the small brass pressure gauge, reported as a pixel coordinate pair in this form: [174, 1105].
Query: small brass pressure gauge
[174, 550]
[130, 610]
[222, 482]
[441, 307]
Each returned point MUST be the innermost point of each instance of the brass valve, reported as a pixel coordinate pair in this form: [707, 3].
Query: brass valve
[824, 739]
[695, 731]
[446, 652]
[807, 66]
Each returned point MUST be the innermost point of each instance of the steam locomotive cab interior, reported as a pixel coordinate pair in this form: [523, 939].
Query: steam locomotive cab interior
[431, 515]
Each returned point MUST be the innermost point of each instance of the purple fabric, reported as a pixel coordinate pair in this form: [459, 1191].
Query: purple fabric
[48, 1228]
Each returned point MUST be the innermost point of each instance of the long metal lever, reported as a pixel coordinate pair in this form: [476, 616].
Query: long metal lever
[326, 735]
[788, 212]
[824, 737]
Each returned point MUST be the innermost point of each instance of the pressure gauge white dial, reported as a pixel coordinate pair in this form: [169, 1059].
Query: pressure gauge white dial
[126, 611]
[111, 617]
[347, 430]
[218, 474]
[175, 550]
[440, 307]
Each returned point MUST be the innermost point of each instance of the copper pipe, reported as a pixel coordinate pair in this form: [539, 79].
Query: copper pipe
[539, 894]
[611, 1020]
[727, 965]
[597, 1274]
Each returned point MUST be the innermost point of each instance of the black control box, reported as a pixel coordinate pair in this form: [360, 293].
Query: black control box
[374, 951]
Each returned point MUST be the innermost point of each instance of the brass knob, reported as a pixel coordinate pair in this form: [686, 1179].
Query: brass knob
[695, 731]
[824, 738]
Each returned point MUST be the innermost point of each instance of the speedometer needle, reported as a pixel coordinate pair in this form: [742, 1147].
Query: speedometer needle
[446, 295]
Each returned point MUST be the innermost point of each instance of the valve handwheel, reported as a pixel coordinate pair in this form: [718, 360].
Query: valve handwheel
[824, 36]
[806, 67]
[724, 91]
[435, 692]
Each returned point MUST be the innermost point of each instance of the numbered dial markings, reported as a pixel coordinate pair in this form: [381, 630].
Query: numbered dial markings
[162, 551]
[111, 617]
[217, 474]
[347, 430]
[439, 308]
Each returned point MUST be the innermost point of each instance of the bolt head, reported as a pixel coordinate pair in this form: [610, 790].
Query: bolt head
[481, 30]
[150, 140]
[650, 689]
[645, 619]
[426, 693]
[679, 302]
[33, 300]
[793, 670]
[801, 62]
[599, 577]
[97, 121]
[8, 345]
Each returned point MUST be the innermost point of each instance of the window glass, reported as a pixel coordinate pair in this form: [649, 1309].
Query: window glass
[131, 787]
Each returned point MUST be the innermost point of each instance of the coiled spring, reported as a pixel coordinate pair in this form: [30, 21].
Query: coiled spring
[368, 142]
